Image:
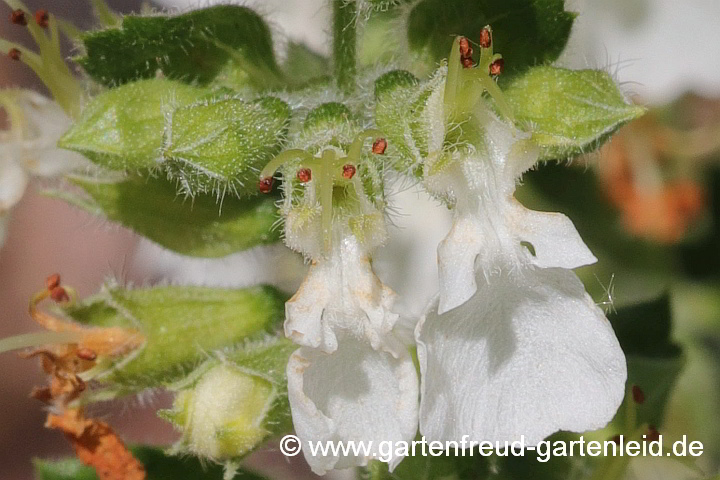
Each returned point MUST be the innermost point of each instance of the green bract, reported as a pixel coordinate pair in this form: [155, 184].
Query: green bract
[122, 128]
[192, 47]
[569, 111]
[400, 114]
[180, 325]
[221, 144]
[197, 227]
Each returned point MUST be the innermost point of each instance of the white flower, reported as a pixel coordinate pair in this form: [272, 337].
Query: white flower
[513, 346]
[29, 146]
[352, 379]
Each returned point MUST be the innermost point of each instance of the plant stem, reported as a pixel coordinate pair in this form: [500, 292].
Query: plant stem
[345, 43]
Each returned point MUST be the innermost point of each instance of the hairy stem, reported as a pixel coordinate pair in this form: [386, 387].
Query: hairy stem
[345, 43]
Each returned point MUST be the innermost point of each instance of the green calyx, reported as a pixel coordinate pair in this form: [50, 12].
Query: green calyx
[180, 325]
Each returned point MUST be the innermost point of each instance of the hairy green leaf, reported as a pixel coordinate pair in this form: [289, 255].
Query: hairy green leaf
[198, 227]
[180, 325]
[525, 32]
[220, 145]
[158, 466]
[122, 128]
[192, 47]
[569, 111]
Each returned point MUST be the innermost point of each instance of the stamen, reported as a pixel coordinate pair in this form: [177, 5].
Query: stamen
[42, 18]
[653, 435]
[497, 67]
[486, 37]
[467, 62]
[52, 281]
[465, 48]
[265, 184]
[304, 175]
[379, 146]
[14, 54]
[18, 17]
[59, 295]
[349, 171]
[86, 354]
[638, 395]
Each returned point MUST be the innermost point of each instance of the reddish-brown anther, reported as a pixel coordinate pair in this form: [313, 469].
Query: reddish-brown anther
[465, 48]
[615, 439]
[265, 184]
[14, 53]
[52, 281]
[59, 294]
[379, 146]
[86, 354]
[638, 395]
[18, 17]
[497, 67]
[349, 171]
[653, 435]
[304, 175]
[42, 18]
[467, 62]
[485, 38]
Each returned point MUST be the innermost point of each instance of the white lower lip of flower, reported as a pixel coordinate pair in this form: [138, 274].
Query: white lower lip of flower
[354, 394]
[529, 354]
[340, 293]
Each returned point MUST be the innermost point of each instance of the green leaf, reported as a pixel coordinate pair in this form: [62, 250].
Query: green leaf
[232, 404]
[180, 324]
[654, 360]
[157, 465]
[569, 111]
[122, 128]
[197, 227]
[192, 47]
[220, 145]
[525, 32]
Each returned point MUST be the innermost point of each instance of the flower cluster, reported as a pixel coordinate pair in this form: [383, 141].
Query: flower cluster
[512, 345]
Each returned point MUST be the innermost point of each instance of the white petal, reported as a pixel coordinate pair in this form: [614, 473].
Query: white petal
[35, 130]
[529, 354]
[341, 294]
[13, 181]
[553, 236]
[456, 262]
[354, 394]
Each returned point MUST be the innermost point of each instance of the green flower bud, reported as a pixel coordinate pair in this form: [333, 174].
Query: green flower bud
[232, 404]
[219, 145]
[122, 128]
